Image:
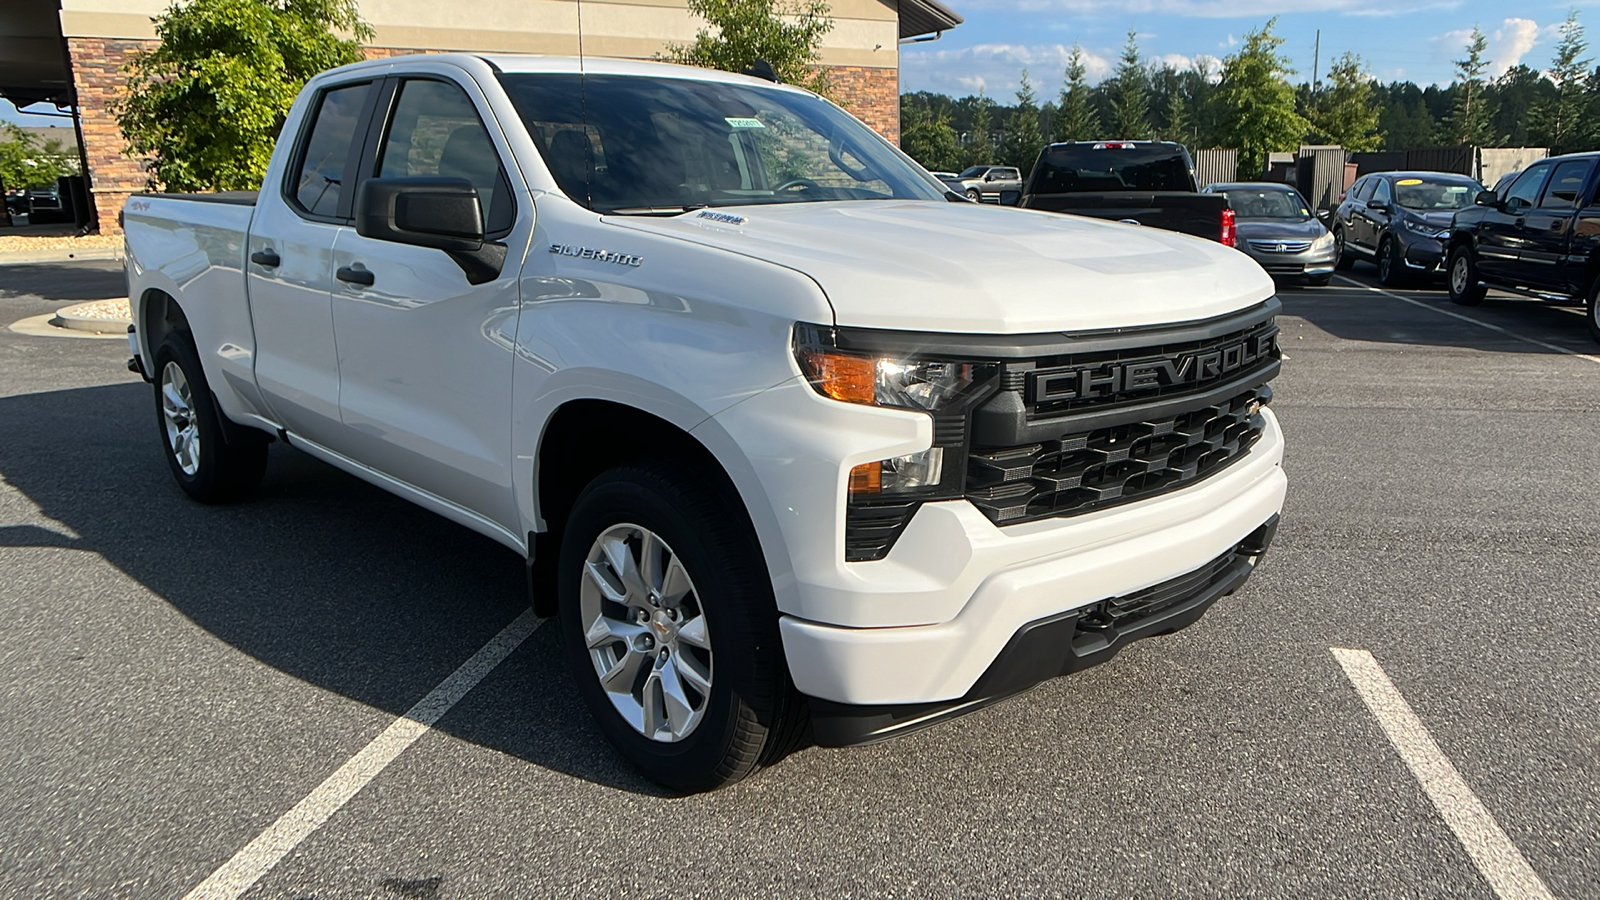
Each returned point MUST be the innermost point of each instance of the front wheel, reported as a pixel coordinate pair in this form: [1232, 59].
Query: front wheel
[208, 467]
[671, 630]
[1465, 288]
[974, 195]
[1344, 261]
[1594, 309]
[1391, 268]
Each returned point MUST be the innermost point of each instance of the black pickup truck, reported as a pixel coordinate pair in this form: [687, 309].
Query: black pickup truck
[1540, 236]
[1147, 182]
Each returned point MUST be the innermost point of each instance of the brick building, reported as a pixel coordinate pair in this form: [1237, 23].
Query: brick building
[71, 52]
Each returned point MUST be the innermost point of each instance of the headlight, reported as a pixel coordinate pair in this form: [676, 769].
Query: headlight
[897, 380]
[1323, 242]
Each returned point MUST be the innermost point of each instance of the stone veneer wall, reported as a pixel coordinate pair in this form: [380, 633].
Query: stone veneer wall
[97, 71]
[870, 94]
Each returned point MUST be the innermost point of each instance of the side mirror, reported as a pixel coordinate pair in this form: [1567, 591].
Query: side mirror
[1324, 216]
[443, 213]
[1378, 205]
[1487, 198]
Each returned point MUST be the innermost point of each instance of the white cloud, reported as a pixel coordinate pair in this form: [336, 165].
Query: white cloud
[995, 68]
[1510, 42]
[1230, 41]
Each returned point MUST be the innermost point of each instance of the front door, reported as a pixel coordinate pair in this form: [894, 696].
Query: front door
[1547, 238]
[1503, 233]
[424, 354]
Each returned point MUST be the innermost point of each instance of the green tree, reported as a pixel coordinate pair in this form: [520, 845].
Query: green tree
[1255, 104]
[926, 136]
[1076, 119]
[1559, 120]
[28, 162]
[786, 33]
[1344, 113]
[980, 152]
[1022, 140]
[206, 104]
[1469, 117]
[1130, 94]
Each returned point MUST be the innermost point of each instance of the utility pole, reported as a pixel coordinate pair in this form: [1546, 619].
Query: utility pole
[1316, 58]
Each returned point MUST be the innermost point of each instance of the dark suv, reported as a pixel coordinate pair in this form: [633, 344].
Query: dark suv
[1401, 221]
[1539, 236]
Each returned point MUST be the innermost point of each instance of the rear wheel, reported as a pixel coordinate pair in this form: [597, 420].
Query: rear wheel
[1391, 268]
[974, 196]
[671, 630]
[208, 466]
[1465, 289]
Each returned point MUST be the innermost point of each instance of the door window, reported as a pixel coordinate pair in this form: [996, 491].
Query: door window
[1381, 193]
[319, 175]
[1525, 190]
[1363, 188]
[1566, 182]
[435, 132]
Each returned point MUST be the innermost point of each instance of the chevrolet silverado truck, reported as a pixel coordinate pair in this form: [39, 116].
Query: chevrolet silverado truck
[1539, 236]
[795, 447]
[1148, 183]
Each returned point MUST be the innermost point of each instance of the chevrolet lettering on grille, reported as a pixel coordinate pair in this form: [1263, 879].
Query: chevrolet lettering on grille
[1097, 380]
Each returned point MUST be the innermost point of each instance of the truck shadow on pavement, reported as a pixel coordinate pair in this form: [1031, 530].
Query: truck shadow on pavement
[77, 281]
[1354, 314]
[320, 576]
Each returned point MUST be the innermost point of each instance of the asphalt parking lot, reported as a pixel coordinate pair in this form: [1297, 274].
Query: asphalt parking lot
[174, 679]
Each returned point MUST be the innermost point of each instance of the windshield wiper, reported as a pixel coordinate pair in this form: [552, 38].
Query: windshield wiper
[657, 210]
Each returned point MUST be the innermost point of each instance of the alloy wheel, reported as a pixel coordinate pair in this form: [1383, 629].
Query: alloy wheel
[646, 633]
[177, 412]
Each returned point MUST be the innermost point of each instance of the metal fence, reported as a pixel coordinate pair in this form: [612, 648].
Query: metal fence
[1213, 166]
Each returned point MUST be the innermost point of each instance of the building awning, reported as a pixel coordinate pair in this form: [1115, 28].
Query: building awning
[33, 59]
[920, 17]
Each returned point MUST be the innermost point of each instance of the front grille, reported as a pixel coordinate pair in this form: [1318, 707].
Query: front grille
[1079, 473]
[1129, 609]
[1284, 268]
[1280, 246]
[871, 527]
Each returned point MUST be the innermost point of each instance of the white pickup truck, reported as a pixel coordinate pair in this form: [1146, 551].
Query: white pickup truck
[795, 447]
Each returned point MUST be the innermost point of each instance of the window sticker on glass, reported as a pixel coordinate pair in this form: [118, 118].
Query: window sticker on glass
[1409, 181]
[744, 123]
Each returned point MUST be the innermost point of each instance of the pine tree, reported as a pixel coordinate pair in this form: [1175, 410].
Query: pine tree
[1255, 104]
[1560, 120]
[1130, 95]
[981, 151]
[1469, 118]
[1076, 119]
[1344, 113]
[1023, 140]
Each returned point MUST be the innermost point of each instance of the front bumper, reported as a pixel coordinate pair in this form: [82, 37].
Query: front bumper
[1309, 262]
[1423, 254]
[1056, 645]
[979, 585]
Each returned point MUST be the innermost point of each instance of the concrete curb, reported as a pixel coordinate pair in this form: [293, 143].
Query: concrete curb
[39, 326]
[25, 257]
[67, 317]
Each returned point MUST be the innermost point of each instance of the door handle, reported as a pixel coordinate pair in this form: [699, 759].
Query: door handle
[266, 257]
[353, 275]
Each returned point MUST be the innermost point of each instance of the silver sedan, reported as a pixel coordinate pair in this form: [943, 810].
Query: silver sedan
[1277, 229]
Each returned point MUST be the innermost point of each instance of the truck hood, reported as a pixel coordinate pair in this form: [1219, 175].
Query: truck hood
[962, 267]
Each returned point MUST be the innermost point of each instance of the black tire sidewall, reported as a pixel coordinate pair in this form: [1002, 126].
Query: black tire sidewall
[735, 594]
[1344, 261]
[1472, 294]
[1593, 309]
[178, 348]
[1389, 253]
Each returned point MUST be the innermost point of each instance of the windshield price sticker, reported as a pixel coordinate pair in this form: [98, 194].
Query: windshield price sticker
[743, 123]
[1409, 181]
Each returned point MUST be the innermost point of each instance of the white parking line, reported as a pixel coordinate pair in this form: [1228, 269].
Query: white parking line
[258, 857]
[1501, 863]
[1478, 322]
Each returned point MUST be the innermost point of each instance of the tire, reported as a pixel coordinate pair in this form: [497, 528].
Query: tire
[710, 631]
[1462, 275]
[1319, 280]
[974, 195]
[209, 466]
[1593, 314]
[1391, 268]
[1345, 261]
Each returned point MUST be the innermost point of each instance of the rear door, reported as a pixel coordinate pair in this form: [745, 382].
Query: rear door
[290, 271]
[1503, 234]
[425, 354]
[1544, 255]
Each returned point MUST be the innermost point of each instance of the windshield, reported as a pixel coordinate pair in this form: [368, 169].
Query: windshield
[659, 146]
[973, 171]
[1266, 204]
[1092, 168]
[1414, 193]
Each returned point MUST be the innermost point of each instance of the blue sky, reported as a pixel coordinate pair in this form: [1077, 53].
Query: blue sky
[1411, 40]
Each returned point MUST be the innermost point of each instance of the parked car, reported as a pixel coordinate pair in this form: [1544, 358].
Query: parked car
[984, 184]
[1400, 222]
[1540, 236]
[792, 444]
[1277, 229]
[1148, 183]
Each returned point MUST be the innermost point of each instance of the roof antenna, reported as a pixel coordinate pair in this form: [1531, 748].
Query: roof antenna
[760, 69]
[583, 104]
